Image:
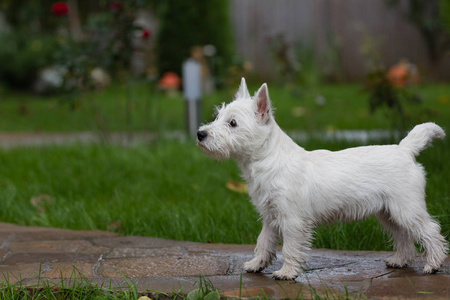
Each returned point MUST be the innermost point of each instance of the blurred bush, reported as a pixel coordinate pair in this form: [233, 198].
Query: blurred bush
[184, 24]
[76, 37]
[42, 37]
[108, 46]
[431, 18]
[22, 56]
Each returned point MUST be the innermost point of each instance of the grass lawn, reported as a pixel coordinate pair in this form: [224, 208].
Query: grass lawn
[170, 189]
[138, 106]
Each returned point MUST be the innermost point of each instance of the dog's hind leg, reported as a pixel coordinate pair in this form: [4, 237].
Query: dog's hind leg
[414, 222]
[403, 242]
[265, 251]
[435, 245]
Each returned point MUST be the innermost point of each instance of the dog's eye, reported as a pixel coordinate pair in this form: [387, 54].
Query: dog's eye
[233, 123]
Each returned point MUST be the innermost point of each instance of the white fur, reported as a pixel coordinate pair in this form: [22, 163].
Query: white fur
[295, 190]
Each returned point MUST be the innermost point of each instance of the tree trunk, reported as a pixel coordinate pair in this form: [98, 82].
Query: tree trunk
[74, 21]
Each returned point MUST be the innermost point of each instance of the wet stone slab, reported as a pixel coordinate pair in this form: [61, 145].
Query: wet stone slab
[125, 252]
[221, 249]
[58, 246]
[14, 274]
[70, 270]
[422, 287]
[163, 266]
[33, 255]
[167, 285]
[137, 242]
[15, 259]
[60, 234]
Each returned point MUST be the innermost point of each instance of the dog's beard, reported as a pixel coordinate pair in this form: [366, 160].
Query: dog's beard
[214, 151]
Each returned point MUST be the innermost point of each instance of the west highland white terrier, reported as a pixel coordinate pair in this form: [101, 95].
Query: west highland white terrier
[295, 190]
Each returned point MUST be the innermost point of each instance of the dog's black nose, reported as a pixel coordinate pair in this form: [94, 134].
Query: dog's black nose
[201, 135]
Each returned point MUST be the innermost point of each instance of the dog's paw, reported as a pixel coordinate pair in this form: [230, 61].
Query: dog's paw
[429, 269]
[393, 262]
[285, 273]
[255, 265]
[395, 265]
[277, 275]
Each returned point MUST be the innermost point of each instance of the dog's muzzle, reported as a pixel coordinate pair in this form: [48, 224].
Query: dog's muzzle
[201, 135]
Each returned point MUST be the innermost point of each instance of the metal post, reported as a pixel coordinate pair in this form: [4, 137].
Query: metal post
[192, 91]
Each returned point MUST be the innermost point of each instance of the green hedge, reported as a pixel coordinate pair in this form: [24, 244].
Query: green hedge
[184, 24]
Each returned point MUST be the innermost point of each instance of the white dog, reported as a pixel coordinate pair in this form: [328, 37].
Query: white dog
[295, 190]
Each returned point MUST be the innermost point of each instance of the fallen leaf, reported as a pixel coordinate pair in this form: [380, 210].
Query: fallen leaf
[238, 187]
[444, 99]
[39, 202]
[115, 226]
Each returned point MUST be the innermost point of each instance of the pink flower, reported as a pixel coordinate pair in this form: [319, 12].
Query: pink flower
[60, 8]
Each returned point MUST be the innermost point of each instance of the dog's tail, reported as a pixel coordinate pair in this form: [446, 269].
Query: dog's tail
[421, 136]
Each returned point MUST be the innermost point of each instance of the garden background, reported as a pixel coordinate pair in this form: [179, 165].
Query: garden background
[339, 75]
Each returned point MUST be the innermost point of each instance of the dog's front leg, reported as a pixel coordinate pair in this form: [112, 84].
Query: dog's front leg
[296, 240]
[265, 250]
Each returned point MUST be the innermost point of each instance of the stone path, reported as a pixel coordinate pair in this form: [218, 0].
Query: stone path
[17, 139]
[32, 139]
[33, 255]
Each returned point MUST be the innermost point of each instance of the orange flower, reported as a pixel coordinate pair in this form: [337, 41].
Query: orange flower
[403, 73]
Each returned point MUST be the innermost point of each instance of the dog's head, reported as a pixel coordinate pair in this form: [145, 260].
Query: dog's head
[240, 128]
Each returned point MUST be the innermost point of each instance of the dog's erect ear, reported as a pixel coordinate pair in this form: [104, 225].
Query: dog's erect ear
[263, 105]
[242, 93]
